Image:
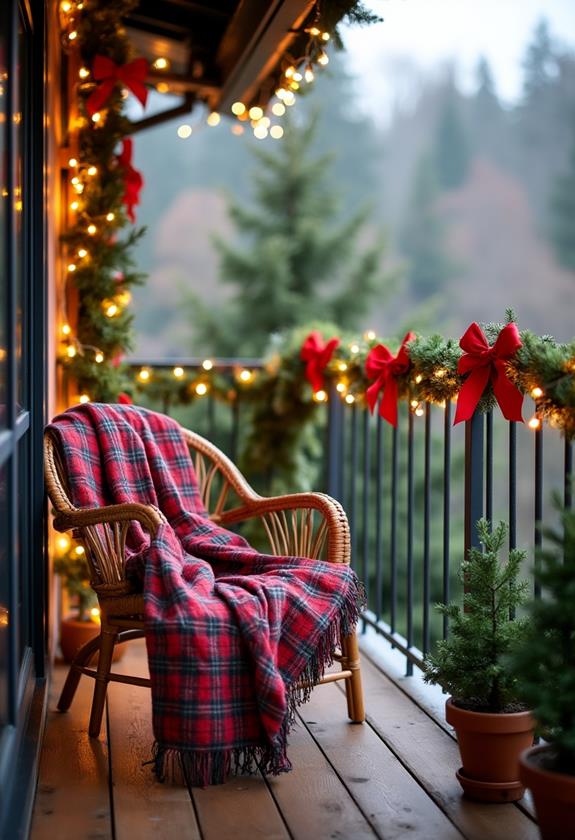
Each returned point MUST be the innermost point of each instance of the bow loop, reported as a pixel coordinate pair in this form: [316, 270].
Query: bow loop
[108, 74]
[317, 354]
[384, 367]
[133, 181]
[481, 364]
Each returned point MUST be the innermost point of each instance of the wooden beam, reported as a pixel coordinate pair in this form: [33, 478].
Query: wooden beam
[247, 55]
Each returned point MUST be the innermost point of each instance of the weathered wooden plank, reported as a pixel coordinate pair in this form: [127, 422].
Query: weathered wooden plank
[432, 757]
[143, 807]
[313, 800]
[72, 799]
[243, 808]
[387, 794]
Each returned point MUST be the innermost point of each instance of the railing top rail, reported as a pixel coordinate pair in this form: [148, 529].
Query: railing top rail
[195, 361]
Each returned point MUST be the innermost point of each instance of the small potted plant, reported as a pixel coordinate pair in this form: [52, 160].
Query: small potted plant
[81, 626]
[493, 727]
[546, 670]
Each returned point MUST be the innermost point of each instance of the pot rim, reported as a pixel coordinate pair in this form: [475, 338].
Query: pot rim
[486, 721]
[551, 775]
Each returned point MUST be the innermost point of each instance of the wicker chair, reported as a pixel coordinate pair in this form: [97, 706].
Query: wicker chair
[303, 524]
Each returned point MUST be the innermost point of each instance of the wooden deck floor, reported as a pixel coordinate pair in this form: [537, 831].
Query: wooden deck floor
[392, 777]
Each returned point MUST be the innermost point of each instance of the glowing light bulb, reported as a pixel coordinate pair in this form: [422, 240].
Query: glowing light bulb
[325, 36]
[320, 396]
[260, 132]
[255, 112]
[314, 31]
[341, 387]
[75, 180]
[207, 364]
[178, 372]
[144, 375]
[72, 162]
[92, 229]
[349, 398]
[79, 188]
[72, 267]
[419, 412]
[354, 348]
[342, 366]
[74, 205]
[289, 72]
[184, 131]
[83, 72]
[323, 58]
[278, 109]
[289, 98]
[99, 357]
[276, 131]
[214, 119]
[70, 351]
[66, 6]
[297, 77]
[309, 74]
[246, 375]
[84, 398]
[161, 63]
[163, 87]
[72, 35]
[82, 253]
[238, 108]
[265, 122]
[96, 117]
[92, 170]
[440, 373]
[414, 403]
[418, 378]
[66, 329]
[95, 614]
[111, 310]
[281, 92]
[110, 217]
[536, 392]
[63, 543]
[201, 389]
[534, 423]
[369, 335]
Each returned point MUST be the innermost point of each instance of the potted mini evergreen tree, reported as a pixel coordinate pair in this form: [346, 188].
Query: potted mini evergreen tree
[79, 627]
[545, 666]
[492, 725]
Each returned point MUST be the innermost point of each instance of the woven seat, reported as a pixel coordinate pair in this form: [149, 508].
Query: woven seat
[309, 525]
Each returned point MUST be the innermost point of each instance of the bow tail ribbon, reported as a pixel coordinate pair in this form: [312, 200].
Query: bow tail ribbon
[100, 96]
[507, 394]
[471, 392]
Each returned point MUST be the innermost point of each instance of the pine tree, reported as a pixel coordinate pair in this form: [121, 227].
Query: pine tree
[451, 147]
[296, 260]
[539, 61]
[563, 215]
[422, 237]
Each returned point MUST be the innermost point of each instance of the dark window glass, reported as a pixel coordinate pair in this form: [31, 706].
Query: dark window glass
[3, 208]
[20, 155]
[4, 597]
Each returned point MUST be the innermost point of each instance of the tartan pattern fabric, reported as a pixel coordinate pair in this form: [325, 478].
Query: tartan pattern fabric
[229, 631]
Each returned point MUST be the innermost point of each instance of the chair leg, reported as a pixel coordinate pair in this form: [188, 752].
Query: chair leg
[81, 659]
[353, 686]
[108, 637]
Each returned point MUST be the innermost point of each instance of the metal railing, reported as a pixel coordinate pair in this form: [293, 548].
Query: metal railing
[413, 494]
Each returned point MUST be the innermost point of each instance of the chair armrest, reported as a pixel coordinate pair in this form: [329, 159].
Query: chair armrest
[148, 516]
[334, 516]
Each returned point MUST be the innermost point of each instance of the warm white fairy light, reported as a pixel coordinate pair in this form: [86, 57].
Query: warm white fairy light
[178, 372]
[184, 131]
[309, 75]
[161, 63]
[110, 309]
[83, 72]
[110, 217]
[369, 335]
[246, 375]
[323, 58]
[82, 253]
[341, 387]
[92, 170]
[207, 364]
[419, 411]
[238, 108]
[84, 398]
[354, 348]
[96, 117]
[320, 396]
[72, 267]
[260, 132]
[72, 162]
[71, 351]
[213, 119]
[277, 132]
[278, 109]
[92, 229]
[255, 112]
[534, 423]
[289, 98]
[63, 543]
[66, 329]
[99, 357]
[342, 366]
[201, 389]
[536, 392]
[72, 35]
[349, 398]
[144, 375]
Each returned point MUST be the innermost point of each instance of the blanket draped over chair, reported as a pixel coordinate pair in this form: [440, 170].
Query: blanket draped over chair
[230, 632]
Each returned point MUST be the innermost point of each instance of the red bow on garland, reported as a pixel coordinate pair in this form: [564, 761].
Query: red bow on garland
[485, 364]
[133, 181]
[382, 366]
[317, 354]
[108, 73]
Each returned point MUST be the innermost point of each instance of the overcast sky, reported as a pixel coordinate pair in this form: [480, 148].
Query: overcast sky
[432, 32]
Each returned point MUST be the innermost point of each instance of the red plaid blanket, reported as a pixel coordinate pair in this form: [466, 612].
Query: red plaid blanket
[229, 631]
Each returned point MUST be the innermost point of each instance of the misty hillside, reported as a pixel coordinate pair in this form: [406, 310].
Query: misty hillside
[463, 186]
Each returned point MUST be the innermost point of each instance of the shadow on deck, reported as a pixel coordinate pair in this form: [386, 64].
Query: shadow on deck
[392, 777]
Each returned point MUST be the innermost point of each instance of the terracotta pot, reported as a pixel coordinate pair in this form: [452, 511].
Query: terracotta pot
[490, 745]
[74, 634]
[553, 794]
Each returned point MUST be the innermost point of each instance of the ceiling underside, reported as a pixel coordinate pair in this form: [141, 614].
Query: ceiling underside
[220, 51]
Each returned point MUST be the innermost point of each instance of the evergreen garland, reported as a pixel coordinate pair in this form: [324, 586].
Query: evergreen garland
[99, 263]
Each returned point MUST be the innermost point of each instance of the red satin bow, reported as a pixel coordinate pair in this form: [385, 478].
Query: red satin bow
[133, 181]
[382, 366]
[317, 354]
[488, 364]
[108, 73]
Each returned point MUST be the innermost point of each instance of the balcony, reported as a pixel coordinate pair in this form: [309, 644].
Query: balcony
[393, 776]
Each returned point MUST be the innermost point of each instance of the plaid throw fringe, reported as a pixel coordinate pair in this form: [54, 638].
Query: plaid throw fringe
[233, 636]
